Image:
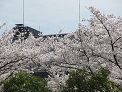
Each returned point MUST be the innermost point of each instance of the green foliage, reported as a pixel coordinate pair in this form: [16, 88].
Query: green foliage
[83, 81]
[25, 82]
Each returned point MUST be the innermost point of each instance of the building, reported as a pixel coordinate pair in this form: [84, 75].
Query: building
[55, 35]
[24, 31]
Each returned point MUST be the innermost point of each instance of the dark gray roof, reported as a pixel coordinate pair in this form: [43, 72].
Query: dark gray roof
[55, 35]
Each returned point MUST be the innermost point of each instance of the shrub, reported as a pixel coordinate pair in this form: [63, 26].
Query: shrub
[25, 82]
[83, 81]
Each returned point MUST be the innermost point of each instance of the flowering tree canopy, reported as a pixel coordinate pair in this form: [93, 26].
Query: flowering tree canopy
[92, 46]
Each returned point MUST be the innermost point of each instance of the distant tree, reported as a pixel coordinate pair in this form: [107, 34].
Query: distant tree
[83, 81]
[25, 82]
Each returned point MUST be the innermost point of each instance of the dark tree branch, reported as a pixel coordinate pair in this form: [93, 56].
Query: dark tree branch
[116, 40]
[111, 41]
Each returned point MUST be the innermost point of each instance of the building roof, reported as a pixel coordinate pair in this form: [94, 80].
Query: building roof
[55, 35]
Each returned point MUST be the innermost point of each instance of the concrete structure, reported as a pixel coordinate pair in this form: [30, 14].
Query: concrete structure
[24, 31]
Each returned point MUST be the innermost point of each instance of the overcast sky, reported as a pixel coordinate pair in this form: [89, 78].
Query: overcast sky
[51, 15]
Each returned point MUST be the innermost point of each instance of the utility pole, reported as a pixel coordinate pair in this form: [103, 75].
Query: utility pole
[79, 24]
[22, 28]
[23, 13]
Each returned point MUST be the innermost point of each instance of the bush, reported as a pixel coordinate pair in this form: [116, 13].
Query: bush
[83, 81]
[25, 82]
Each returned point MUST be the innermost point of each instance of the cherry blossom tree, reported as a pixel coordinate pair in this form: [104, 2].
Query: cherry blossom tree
[92, 46]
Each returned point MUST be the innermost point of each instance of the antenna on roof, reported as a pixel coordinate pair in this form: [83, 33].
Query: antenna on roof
[79, 24]
[61, 29]
[39, 27]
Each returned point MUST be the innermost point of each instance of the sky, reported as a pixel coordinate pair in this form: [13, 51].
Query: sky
[49, 16]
